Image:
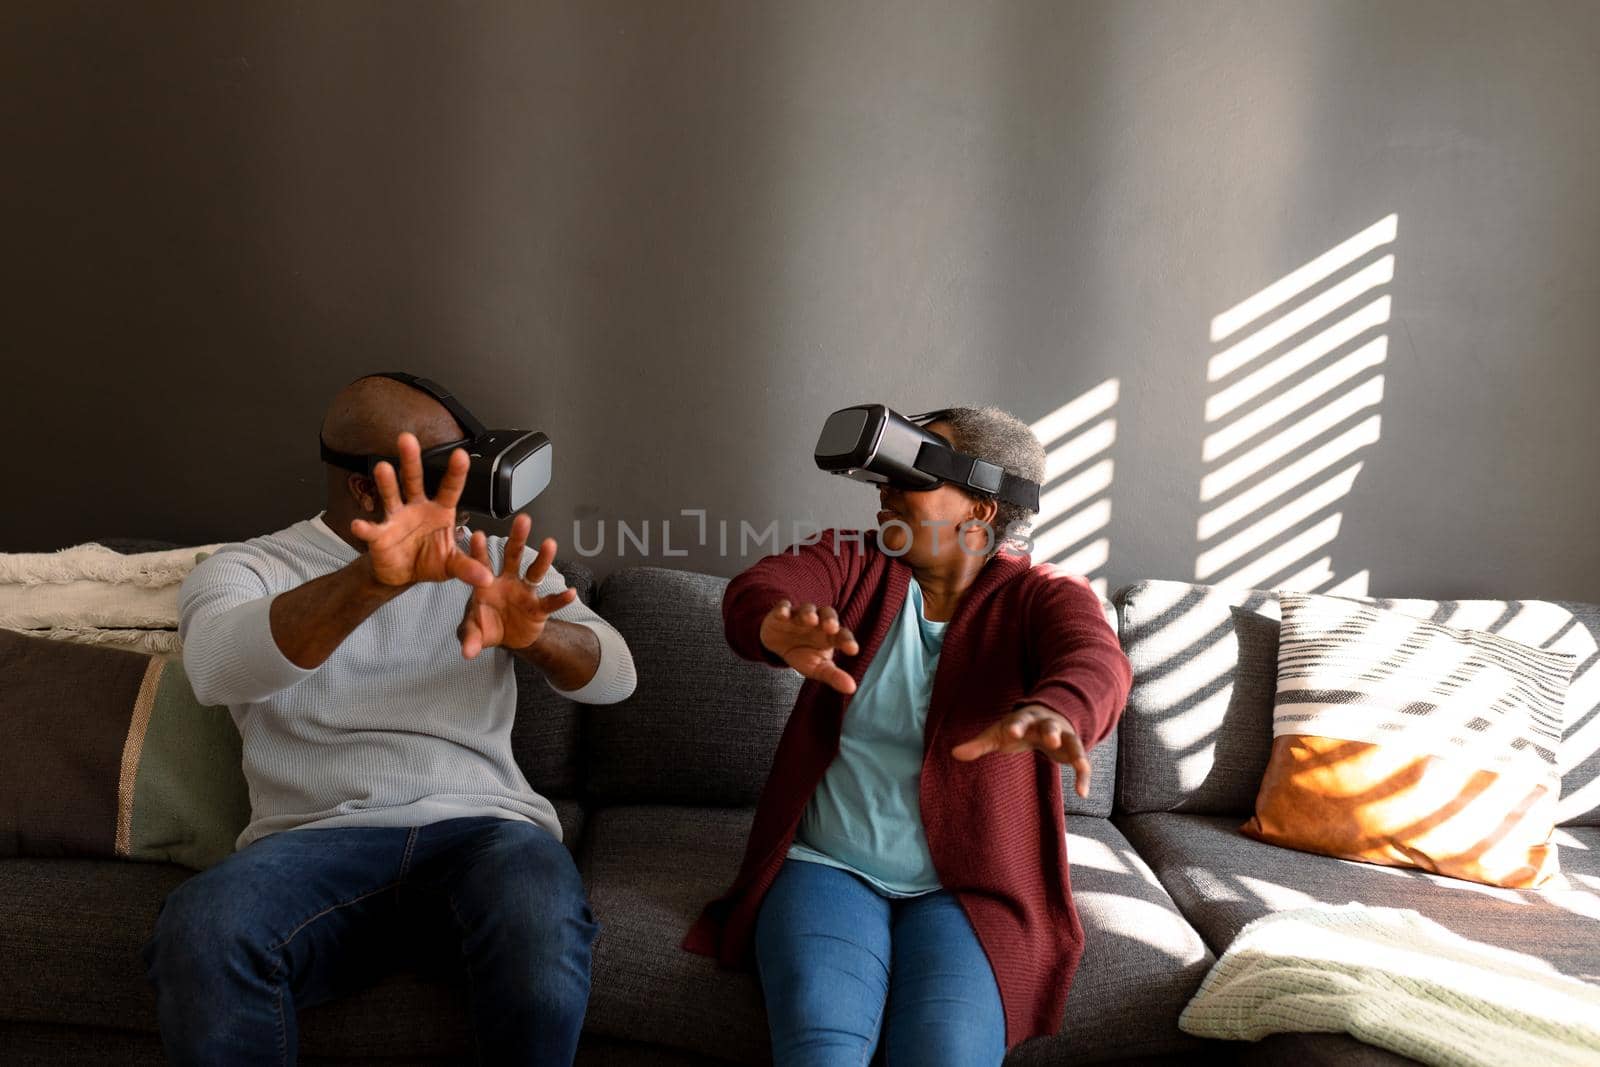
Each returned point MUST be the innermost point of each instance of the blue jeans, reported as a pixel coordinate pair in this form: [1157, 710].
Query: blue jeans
[303, 916]
[841, 964]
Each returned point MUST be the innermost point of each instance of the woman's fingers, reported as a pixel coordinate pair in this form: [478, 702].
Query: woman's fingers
[988, 741]
[1072, 752]
[835, 677]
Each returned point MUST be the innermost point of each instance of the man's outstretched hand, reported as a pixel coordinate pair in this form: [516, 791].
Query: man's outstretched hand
[1032, 727]
[416, 541]
[507, 612]
[806, 638]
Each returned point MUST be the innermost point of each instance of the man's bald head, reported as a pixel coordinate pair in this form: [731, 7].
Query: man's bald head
[368, 415]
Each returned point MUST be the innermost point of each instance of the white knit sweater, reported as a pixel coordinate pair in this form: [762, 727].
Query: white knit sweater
[396, 728]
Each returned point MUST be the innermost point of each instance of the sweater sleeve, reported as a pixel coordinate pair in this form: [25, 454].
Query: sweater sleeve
[614, 679]
[802, 574]
[1083, 674]
[229, 652]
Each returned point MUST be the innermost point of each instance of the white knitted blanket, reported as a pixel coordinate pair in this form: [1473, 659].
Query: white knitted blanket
[1394, 979]
[97, 563]
[93, 595]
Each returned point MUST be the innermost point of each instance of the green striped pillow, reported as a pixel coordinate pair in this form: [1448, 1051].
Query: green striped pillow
[108, 753]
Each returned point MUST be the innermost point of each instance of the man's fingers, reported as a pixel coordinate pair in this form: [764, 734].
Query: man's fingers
[806, 615]
[454, 480]
[556, 601]
[411, 466]
[388, 489]
[363, 529]
[541, 561]
[469, 570]
[471, 637]
[782, 610]
[829, 620]
[480, 550]
[845, 642]
[515, 543]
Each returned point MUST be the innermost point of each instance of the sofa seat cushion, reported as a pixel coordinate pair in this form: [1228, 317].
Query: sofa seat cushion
[1142, 960]
[650, 869]
[1222, 880]
[70, 935]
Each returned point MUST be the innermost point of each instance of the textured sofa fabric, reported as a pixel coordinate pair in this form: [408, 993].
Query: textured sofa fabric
[1198, 727]
[702, 725]
[1196, 736]
[650, 869]
[70, 934]
[655, 797]
[1223, 880]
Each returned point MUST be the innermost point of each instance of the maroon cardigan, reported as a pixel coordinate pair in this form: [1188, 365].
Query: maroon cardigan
[1021, 634]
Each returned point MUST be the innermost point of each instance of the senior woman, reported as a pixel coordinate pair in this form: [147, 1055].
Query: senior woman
[905, 881]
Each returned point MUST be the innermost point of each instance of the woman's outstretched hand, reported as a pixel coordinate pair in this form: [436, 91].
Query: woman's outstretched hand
[1032, 727]
[416, 541]
[806, 638]
[508, 612]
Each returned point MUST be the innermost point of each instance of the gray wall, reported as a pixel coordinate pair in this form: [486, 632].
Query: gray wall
[674, 236]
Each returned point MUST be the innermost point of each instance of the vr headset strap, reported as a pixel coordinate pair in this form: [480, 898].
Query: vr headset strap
[471, 425]
[977, 475]
[361, 464]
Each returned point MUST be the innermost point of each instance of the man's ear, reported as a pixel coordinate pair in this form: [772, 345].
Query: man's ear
[364, 491]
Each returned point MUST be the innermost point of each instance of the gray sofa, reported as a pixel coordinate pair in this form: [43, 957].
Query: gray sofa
[656, 795]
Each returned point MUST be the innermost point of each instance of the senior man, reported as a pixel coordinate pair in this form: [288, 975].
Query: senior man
[365, 657]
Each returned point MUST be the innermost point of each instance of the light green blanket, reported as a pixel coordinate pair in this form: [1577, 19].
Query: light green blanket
[1394, 979]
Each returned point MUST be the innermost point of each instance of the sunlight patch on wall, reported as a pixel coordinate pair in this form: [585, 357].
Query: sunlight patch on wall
[1075, 497]
[1291, 417]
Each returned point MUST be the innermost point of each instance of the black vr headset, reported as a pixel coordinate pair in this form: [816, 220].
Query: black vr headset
[872, 443]
[508, 468]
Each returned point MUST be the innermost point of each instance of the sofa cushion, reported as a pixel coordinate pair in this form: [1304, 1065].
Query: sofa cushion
[1400, 741]
[545, 737]
[70, 935]
[1197, 731]
[107, 753]
[651, 869]
[702, 725]
[1222, 880]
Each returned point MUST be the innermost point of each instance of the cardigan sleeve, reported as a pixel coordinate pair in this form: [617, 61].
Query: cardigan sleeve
[1083, 675]
[802, 574]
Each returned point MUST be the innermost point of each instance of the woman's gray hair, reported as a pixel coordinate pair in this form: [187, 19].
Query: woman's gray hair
[1001, 438]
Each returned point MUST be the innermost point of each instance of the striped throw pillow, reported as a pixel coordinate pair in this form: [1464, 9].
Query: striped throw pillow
[105, 752]
[1400, 741]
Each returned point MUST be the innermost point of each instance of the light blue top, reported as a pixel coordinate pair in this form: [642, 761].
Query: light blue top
[866, 815]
